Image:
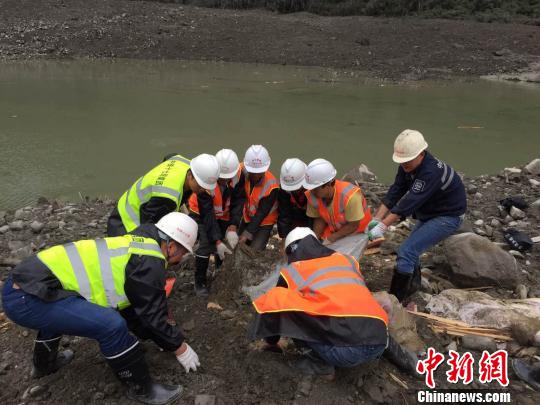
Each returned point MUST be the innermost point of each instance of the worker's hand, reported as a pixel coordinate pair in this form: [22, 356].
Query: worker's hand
[188, 358]
[232, 238]
[377, 231]
[222, 249]
[373, 223]
[326, 242]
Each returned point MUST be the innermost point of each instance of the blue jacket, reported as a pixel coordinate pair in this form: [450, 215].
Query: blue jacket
[433, 189]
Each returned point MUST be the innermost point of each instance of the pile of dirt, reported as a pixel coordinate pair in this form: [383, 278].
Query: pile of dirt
[387, 48]
[235, 370]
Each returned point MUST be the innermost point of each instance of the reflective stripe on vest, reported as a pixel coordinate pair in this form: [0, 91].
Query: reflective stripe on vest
[165, 180]
[326, 286]
[96, 268]
[260, 191]
[335, 218]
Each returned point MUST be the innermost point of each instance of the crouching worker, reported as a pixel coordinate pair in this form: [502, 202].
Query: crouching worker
[83, 289]
[338, 208]
[322, 302]
[429, 190]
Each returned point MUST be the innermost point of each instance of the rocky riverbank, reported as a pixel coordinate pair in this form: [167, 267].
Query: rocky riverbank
[478, 266]
[384, 48]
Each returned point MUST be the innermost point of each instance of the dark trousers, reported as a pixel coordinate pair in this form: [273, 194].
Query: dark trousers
[115, 227]
[69, 316]
[260, 237]
[205, 249]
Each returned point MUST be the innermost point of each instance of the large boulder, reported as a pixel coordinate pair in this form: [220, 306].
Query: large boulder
[477, 262]
[360, 175]
[533, 167]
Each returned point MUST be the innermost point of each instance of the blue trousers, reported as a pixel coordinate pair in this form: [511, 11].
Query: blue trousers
[69, 316]
[424, 235]
[347, 356]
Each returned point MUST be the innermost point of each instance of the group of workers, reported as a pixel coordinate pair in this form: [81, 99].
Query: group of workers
[112, 289]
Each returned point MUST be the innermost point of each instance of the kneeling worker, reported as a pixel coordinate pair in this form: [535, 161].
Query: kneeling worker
[429, 190]
[321, 300]
[218, 214]
[162, 190]
[84, 288]
[260, 207]
[338, 207]
[292, 200]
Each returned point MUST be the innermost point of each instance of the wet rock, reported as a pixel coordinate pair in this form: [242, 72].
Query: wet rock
[189, 325]
[227, 314]
[536, 206]
[15, 245]
[476, 262]
[516, 213]
[37, 226]
[4, 229]
[110, 389]
[360, 175]
[478, 343]
[205, 399]
[533, 167]
[534, 183]
[452, 346]
[375, 393]
[472, 189]
[479, 222]
[98, 396]
[495, 223]
[16, 225]
[489, 230]
[305, 386]
[517, 254]
[35, 391]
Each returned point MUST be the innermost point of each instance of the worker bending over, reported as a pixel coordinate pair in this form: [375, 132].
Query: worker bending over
[162, 190]
[101, 289]
[260, 208]
[218, 213]
[338, 208]
[429, 190]
[321, 300]
[292, 200]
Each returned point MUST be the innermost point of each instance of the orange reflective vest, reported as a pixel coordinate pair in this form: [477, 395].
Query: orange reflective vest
[260, 191]
[221, 208]
[335, 219]
[326, 286]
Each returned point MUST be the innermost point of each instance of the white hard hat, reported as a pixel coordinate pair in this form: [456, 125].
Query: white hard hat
[297, 234]
[257, 159]
[179, 227]
[292, 174]
[408, 145]
[319, 172]
[205, 169]
[228, 163]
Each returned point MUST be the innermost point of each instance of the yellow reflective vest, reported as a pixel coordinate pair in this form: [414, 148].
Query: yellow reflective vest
[96, 268]
[166, 180]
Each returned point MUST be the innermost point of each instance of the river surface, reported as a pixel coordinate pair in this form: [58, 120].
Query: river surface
[93, 127]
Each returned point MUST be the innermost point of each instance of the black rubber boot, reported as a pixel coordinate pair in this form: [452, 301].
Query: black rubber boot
[312, 364]
[402, 357]
[132, 370]
[46, 358]
[400, 285]
[201, 283]
[529, 374]
[416, 281]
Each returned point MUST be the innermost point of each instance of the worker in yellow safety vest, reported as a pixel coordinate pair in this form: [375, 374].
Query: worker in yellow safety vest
[162, 190]
[107, 290]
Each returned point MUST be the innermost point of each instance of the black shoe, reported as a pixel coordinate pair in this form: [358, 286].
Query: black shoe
[312, 366]
[201, 290]
[131, 370]
[46, 358]
[400, 285]
[402, 357]
[529, 374]
[416, 281]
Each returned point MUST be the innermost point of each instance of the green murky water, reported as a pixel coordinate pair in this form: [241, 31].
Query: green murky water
[94, 126]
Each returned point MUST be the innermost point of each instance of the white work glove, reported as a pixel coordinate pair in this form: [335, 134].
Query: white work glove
[373, 223]
[326, 242]
[189, 359]
[232, 238]
[377, 231]
[222, 249]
